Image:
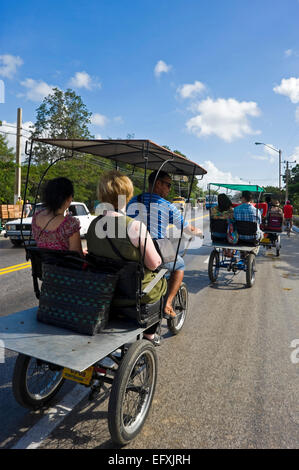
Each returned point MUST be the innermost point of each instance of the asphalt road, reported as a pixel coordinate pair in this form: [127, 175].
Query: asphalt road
[226, 381]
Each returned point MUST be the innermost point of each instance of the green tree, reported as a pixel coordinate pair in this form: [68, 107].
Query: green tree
[61, 115]
[293, 187]
[7, 172]
[275, 193]
[7, 154]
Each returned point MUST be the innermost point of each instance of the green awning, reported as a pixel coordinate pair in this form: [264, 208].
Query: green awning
[240, 187]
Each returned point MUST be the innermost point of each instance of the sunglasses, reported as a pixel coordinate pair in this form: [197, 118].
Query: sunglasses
[167, 184]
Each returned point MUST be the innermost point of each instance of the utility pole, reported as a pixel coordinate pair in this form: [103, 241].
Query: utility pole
[18, 157]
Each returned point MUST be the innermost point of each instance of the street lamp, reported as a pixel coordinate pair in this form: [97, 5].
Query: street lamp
[279, 152]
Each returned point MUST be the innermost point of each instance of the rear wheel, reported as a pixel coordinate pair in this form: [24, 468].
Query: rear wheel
[277, 245]
[35, 382]
[214, 265]
[132, 392]
[250, 270]
[180, 306]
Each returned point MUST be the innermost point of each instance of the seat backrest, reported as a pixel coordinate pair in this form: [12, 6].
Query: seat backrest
[218, 225]
[245, 227]
[38, 256]
[66, 258]
[274, 222]
[130, 275]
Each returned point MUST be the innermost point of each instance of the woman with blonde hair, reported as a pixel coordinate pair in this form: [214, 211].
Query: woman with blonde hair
[128, 237]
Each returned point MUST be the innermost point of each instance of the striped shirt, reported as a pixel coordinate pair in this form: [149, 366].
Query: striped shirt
[248, 213]
[155, 212]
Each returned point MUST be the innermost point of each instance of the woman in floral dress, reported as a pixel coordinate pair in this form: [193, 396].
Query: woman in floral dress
[51, 228]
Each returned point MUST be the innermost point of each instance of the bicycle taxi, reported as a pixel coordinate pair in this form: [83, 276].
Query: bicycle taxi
[50, 355]
[244, 253]
[272, 225]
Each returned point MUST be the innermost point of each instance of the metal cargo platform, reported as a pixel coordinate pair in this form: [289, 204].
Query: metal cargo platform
[22, 333]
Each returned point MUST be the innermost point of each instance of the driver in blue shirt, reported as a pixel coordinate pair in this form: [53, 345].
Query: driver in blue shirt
[159, 214]
[247, 212]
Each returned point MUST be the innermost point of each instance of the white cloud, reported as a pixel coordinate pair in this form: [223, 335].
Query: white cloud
[225, 118]
[263, 158]
[214, 175]
[161, 67]
[295, 156]
[291, 53]
[288, 52]
[191, 90]
[119, 120]
[290, 88]
[36, 90]
[11, 128]
[84, 80]
[270, 155]
[99, 120]
[9, 64]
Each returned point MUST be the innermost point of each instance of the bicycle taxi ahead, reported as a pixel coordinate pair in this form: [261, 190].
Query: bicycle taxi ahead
[49, 355]
[243, 258]
[272, 226]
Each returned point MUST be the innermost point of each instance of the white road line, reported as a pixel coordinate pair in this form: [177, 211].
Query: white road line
[41, 430]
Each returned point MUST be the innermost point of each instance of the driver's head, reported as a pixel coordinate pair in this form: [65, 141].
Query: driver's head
[162, 185]
[288, 202]
[246, 196]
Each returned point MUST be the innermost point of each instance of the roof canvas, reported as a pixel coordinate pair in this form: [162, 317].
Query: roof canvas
[132, 152]
[240, 187]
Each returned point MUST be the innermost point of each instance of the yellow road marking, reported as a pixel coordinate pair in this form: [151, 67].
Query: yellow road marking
[196, 218]
[191, 220]
[16, 267]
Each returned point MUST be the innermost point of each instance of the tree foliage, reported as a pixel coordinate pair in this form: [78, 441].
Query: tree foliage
[7, 172]
[293, 187]
[275, 193]
[61, 115]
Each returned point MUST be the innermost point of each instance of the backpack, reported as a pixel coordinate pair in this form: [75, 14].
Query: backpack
[232, 234]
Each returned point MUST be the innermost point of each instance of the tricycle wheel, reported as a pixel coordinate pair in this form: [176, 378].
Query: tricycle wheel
[277, 244]
[132, 392]
[35, 382]
[250, 270]
[180, 306]
[214, 265]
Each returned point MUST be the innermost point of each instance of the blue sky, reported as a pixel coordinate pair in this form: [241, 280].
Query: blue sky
[208, 78]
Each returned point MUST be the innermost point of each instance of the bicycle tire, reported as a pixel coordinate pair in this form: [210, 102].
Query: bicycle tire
[123, 427]
[23, 382]
[180, 306]
[250, 270]
[214, 265]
